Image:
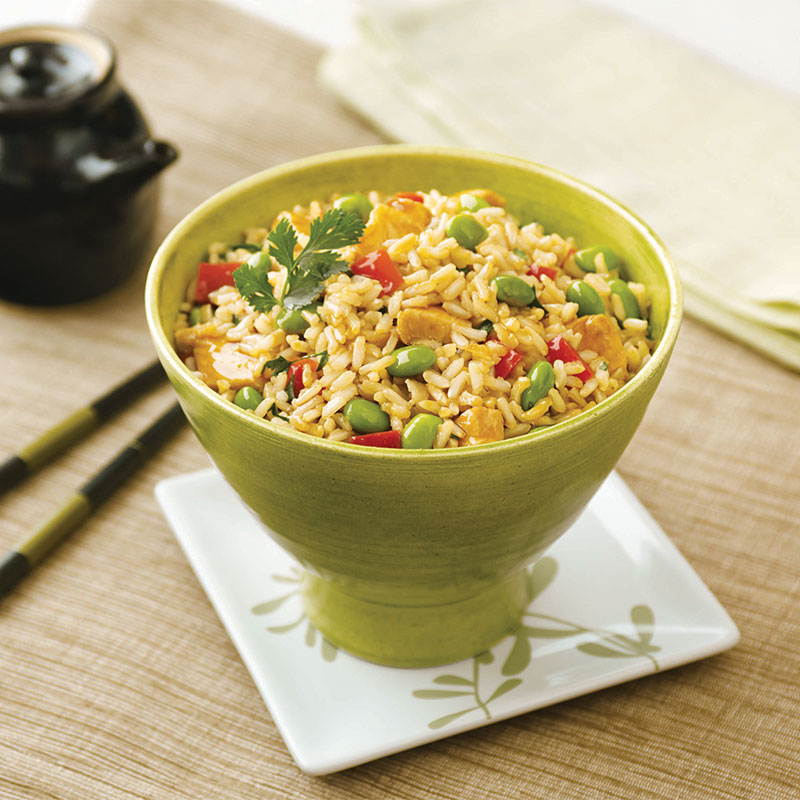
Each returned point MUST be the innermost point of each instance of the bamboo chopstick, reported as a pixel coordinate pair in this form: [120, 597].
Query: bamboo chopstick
[54, 441]
[19, 561]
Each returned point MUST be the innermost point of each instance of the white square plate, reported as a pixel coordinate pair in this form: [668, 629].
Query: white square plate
[615, 600]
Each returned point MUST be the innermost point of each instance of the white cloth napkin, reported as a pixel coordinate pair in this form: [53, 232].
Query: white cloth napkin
[709, 157]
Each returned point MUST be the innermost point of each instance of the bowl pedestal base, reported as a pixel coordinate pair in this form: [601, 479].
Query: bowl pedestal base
[419, 635]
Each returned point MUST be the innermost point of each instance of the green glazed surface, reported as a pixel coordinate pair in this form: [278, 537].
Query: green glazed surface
[415, 555]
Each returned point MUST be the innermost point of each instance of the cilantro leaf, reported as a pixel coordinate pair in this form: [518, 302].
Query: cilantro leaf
[335, 228]
[305, 282]
[305, 274]
[282, 242]
[252, 284]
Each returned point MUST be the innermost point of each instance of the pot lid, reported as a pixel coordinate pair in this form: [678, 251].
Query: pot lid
[48, 69]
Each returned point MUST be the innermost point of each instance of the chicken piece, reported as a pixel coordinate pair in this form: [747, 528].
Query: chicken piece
[492, 198]
[219, 360]
[601, 334]
[424, 324]
[393, 221]
[481, 425]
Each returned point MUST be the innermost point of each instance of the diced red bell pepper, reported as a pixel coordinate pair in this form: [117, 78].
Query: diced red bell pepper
[561, 349]
[417, 198]
[212, 276]
[296, 373]
[379, 265]
[551, 272]
[380, 439]
[504, 366]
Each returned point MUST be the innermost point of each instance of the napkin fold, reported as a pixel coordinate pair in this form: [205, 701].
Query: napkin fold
[710, 158]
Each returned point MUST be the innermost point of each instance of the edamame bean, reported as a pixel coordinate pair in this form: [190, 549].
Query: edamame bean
[628, 298]
[589, 302]
[420, 432]
[467, 231]
[355, 203]
[260, 260]
[542, 380]
[292, 320]
[585, 259]
[195, 316]
[248, 397]
[469, 202]
[411, 360]
[364, 416]
[513, 290]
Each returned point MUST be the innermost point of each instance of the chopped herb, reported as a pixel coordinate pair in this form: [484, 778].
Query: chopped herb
[252, 283]
[487, 325]
[463, 270]
[251, 248]
[290, 390]
[536, 303]
[274, 411]
[518, 251]
[235, 319]
[323, 358]
[277, 365]
[604, 365]
[281, 364]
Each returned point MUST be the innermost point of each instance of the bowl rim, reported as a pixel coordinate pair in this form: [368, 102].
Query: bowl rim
[168, 355]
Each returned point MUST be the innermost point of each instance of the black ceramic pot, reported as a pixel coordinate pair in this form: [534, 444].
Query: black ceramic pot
[78, 199]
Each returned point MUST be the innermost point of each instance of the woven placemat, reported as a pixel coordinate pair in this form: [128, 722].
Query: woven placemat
[118, 680]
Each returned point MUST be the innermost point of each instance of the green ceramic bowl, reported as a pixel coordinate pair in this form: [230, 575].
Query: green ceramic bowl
[415, 558]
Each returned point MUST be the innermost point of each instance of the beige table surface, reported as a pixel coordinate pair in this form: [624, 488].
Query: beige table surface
[117, 679]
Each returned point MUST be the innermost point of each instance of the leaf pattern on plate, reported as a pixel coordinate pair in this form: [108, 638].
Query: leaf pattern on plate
[597, 642]
[603, 644]
[328, 650]
[470, 688]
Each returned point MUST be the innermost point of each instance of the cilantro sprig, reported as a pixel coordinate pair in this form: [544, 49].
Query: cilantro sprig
[307, 272]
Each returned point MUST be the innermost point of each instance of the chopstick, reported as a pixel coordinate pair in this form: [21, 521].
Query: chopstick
[54, 441]
[21, 559]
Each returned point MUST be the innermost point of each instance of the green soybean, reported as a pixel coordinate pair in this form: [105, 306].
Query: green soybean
[628, 298]
[260, 260]
[585, 259]
[589, 302]
[542, 380]
[355, 203]
[467, 231]
[469, 202]
[292, 320]
[195, 316]
[248, 397]
[364, 416]
[420, 432]
[411, 360]
[514, 290]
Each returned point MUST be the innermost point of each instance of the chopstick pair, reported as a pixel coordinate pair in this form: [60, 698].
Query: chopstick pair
[28, 552]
